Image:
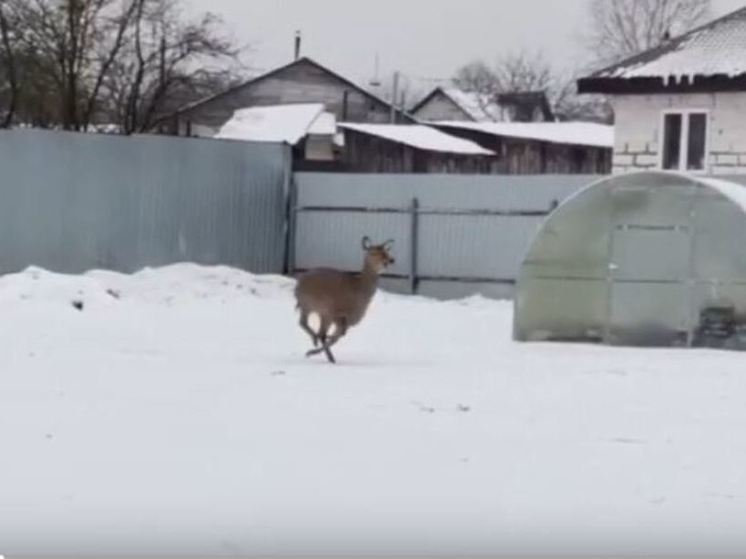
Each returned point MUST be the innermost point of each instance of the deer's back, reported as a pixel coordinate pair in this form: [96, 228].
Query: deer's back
[334, 294]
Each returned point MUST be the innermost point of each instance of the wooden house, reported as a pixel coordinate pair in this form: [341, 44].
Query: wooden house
[302, 81]
[455, 104]
[405, 148]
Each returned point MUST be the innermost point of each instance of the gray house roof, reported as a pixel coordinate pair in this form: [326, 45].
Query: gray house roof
[709, 58]
[303, 60]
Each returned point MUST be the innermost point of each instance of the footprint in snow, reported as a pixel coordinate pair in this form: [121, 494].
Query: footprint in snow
[628, 440]
[429, 409]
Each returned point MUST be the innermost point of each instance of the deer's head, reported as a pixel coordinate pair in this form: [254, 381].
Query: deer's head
[378, 257]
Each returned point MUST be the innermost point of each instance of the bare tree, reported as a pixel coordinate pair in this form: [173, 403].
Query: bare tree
[167, 62]
[73, 43]
[8, 71]
[522, 71]
[478, 77]
[518, 71]
[73, 63]
[623, 28]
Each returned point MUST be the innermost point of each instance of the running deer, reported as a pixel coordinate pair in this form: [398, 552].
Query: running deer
[339, 299]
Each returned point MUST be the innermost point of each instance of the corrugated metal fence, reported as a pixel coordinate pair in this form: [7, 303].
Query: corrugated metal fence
[454, 235]
[71, 202]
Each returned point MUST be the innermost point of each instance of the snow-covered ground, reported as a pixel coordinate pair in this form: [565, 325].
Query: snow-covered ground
[175, 413]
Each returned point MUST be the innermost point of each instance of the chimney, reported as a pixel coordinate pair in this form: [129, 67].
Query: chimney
[297, 44]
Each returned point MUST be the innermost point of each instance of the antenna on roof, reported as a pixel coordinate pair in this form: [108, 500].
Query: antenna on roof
[375, 81]
[298, 40]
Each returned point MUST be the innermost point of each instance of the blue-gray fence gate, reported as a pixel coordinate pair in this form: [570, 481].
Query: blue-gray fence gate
[72, 202]
[455, 235]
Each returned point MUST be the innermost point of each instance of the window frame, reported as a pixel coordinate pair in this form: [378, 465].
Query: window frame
[684, 143]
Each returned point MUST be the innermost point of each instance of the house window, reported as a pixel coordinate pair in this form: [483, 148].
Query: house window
[684, 141]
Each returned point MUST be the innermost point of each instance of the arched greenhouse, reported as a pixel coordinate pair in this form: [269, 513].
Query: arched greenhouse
[643, 259]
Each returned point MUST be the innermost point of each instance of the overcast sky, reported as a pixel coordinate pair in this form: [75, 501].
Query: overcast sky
[425, 39]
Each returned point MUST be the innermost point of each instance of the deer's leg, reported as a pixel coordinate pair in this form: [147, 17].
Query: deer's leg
[340, 329]
[322, 337]
[307, 328]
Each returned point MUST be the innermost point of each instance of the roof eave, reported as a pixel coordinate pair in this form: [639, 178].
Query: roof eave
[632, 86]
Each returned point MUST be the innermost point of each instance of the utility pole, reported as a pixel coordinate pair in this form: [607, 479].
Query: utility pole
[298, 40]
[394, 97]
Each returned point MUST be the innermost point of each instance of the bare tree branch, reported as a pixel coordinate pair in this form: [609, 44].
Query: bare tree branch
[623, 28]
[10, 66]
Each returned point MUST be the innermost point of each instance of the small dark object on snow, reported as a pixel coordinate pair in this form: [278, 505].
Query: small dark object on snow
[278, 373]
[114, 293]
[719, 327]
[78, 304]
[463, 408]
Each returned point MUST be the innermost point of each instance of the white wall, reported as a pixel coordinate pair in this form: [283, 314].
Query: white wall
[639, 118]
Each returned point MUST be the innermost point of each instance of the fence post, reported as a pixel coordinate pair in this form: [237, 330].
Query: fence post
[291, 224]
[413, 244]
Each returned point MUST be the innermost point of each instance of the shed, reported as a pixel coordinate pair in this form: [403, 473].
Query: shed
[640, 259]
[307, 127]
[541, 147]
[411, 148]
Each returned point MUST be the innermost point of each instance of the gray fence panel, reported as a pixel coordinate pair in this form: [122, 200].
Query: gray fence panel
[474, 246]
[472, 231]
[506, 192]
[72, 202]
[324, 240]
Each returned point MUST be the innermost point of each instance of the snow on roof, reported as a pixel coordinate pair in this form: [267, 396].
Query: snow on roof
[573, 133]
[419, 136]
[325, 124]
[718, 48]
[480, 107]
[278, 123]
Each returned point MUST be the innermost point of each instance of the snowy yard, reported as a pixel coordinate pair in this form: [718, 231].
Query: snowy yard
[176, 413]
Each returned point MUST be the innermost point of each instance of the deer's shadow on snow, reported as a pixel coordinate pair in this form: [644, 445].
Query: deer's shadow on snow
[358, 361]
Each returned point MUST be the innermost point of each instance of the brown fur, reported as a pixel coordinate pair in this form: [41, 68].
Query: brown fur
[340, 299]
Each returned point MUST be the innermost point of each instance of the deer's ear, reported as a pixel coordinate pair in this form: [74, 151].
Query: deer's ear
[388, 245]
[366, 243]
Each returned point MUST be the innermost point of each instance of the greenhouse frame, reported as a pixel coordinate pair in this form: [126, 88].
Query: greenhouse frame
[639, 259]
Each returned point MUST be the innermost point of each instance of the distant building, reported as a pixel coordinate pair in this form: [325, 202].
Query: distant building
[681, 106]
[302, 81]
[387, 148]
[541, 147]
[455, 104]
[308, 128]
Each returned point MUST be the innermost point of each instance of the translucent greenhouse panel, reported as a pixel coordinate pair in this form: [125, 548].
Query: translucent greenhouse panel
[653, 205]
[574, 242]
[555, 309]
[720, 239]
[649, 314]
[647, 254]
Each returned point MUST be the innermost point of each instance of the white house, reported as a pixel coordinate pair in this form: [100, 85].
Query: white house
[682, 105]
